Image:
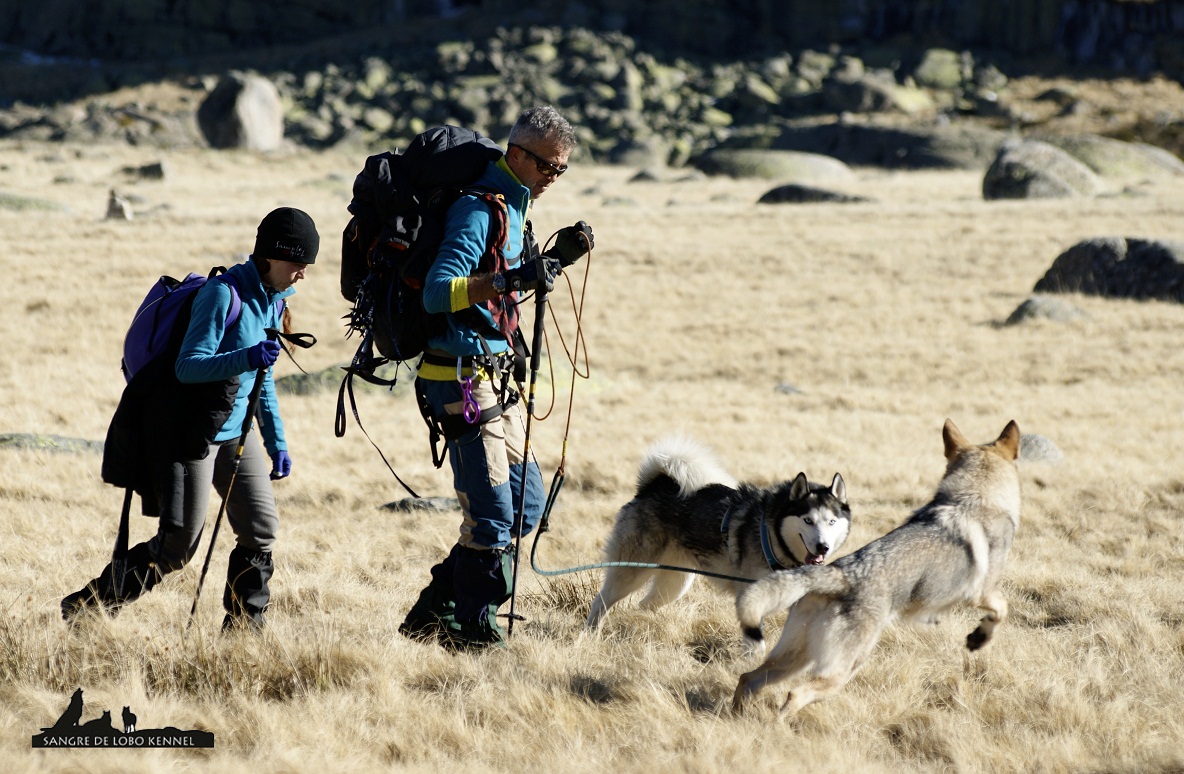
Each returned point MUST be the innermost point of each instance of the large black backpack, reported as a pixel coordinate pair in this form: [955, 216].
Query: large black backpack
[399, 205]
[398, 208]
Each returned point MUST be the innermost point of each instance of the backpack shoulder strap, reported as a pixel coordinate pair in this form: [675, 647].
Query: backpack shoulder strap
[236, 301]
[499, 228]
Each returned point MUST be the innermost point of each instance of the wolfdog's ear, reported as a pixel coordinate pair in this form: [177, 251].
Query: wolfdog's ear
[800, 488]
[953, 438]
[839, 489]
[1008, 441]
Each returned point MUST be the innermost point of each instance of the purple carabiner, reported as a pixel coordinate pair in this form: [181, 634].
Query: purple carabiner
[471, 409]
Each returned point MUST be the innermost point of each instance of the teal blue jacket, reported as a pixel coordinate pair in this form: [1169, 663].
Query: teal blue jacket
[466, 232]
[211, 352]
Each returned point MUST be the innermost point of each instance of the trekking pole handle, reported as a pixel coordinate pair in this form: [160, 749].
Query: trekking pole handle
[256, 391]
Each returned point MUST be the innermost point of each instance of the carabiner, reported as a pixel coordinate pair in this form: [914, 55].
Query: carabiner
[470, 409]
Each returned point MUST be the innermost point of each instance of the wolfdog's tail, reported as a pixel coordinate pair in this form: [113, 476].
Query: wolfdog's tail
[780, 590]
[688, 462]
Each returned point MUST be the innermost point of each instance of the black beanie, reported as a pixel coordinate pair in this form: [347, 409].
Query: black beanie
[287, 234]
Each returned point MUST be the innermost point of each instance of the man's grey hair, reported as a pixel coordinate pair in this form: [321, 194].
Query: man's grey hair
[543, 124]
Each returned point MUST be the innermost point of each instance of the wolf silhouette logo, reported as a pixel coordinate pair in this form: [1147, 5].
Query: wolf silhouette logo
[68, 732]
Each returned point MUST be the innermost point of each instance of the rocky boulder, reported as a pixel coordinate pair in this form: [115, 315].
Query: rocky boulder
[1118, 160]
[243, 111]
[1118, 267]
[794, 193]
[857, 144]
[773, 164]
[1030, 169]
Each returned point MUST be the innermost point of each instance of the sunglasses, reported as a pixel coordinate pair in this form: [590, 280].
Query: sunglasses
[542, 165]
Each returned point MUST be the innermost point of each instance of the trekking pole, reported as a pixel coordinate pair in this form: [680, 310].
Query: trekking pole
[119, 555]
[536, 346]
[252, 402]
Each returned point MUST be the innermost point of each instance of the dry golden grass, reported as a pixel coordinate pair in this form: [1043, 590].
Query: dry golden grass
[699, 305]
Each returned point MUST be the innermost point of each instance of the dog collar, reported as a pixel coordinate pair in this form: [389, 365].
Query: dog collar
[767, 547]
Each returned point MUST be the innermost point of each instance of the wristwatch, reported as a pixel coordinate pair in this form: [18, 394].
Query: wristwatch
[499, 283]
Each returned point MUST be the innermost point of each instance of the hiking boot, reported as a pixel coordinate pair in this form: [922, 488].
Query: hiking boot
[475, 635]
[246, 623]
[247, 593]
[140, 575]
[87, 598]
[434, 613]
[482, 579]
[429, 617]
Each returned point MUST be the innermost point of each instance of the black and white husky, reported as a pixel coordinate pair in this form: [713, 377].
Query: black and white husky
[690, 512]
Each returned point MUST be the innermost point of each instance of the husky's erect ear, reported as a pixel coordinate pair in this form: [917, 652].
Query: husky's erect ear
[1008, 442]
[839, 489]
[953, 438]
[800, 488]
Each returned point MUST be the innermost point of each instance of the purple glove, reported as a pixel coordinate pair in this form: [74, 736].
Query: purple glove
[281, 465]
[263, 354]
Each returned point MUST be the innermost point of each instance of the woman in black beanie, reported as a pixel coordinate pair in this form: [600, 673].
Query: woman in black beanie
[225, 350]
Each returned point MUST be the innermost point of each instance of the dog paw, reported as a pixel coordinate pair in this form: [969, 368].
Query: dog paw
[976, 639]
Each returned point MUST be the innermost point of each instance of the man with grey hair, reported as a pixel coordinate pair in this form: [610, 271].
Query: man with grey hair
[487, 257]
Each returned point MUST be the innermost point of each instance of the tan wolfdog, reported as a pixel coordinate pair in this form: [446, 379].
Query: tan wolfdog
[949, 552]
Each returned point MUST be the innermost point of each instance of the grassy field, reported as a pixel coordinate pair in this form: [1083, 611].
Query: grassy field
[820, 338]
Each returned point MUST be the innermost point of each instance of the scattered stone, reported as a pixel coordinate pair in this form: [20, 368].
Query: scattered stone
[940, 68]
[1047, 308]
[1030, 169]
[803, 194]
[154, 171]
[1118, 267]
[118, 207]
[414, 504]
[785, 388]
[49, 443]
[329, 379]
[19, 203]
[645, 176]
[1038, 448]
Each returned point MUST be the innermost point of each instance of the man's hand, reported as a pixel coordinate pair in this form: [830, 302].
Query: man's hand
[525, 276]
[571, 244]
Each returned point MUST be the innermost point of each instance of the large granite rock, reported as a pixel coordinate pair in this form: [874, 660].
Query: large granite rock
[1030, 169]
[1118, 267]
[243, 111]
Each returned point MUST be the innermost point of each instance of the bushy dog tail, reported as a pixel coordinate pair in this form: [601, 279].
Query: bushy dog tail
[691, 464]
[780, 590]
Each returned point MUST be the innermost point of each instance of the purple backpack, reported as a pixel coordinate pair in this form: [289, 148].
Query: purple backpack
[163, 317]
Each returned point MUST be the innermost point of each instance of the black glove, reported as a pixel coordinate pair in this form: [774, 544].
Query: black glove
[525, 276]
[571, 244]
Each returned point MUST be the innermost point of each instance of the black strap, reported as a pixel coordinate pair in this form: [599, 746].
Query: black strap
[119, 555]
[454, 426]
[363, 365]
[302, 340]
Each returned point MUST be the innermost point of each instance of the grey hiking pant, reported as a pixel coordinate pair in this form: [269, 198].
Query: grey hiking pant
[250, 511]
